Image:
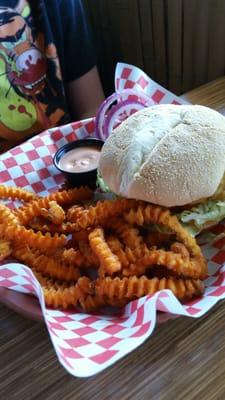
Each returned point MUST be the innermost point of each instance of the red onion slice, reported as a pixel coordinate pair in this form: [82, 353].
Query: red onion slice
[119, 113]
[100, 116]
[128, 102]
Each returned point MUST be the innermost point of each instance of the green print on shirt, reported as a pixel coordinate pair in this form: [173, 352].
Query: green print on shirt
[22, 71]
[23, 68]
[16, 113]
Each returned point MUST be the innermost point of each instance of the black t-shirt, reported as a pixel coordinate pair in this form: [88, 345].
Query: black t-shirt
[43, 45]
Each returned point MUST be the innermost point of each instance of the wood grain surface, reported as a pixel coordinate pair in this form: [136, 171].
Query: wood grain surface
[211, 94]
[184, 359]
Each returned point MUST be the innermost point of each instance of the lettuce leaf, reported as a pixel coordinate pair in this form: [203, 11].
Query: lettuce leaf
[101, 184]
[196, 218]
[193, 220]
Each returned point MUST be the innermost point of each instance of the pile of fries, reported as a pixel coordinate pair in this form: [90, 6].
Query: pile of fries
[91, 254]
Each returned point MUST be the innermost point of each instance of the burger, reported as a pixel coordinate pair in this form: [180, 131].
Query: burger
[173, 156]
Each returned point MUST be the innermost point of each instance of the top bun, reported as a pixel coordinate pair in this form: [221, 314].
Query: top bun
[169, 155]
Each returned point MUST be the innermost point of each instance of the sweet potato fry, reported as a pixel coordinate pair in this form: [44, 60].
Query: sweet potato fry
[133, 287]
[109, 262]
[194, 268]
[103, 210]
[26, 213]
[54, 213]
[60, 238]
[75, 212]
[46, 265]
[19, 234]
[147, 214]
[5, 249]
[16, 193]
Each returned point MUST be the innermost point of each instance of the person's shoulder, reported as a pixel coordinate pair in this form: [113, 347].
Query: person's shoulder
[62, 11]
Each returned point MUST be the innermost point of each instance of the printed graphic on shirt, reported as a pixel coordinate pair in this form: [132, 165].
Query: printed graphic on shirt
[26, 95]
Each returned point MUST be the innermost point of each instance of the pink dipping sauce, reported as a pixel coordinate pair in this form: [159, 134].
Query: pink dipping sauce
[80, 159]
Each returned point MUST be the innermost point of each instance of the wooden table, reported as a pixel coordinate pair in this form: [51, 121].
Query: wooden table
[211, 94]
[183, 360]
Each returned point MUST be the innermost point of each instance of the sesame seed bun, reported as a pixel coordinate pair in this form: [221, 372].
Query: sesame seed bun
[171, 155]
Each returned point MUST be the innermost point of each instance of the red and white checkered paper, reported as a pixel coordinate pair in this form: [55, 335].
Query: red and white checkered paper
[87, 344]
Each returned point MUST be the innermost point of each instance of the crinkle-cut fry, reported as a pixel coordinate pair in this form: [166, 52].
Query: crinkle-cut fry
[125, 254]
[147, 214]
[74, 212]
[26, 213]
[60, 295]
[109, 262]
[189, 268]
[46, 265]
[183, 236]
[66, 197]
[180, 248]
[38, 224]
[130, 235]
[12, 192]
[81, 257]
[5, 249]
[135, 244]
[75, 257]
[65, 228]
[19, 234]
[7, 216]
[117, 248]
[133, 255]
[133, 287]
[103, 210]
[91, 303]
[54, 213]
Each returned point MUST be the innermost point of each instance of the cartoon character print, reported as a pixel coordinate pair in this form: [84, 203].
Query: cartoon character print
[23, 81]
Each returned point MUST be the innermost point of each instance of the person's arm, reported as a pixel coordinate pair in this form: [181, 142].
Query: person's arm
[83, 87]
[85, 95]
